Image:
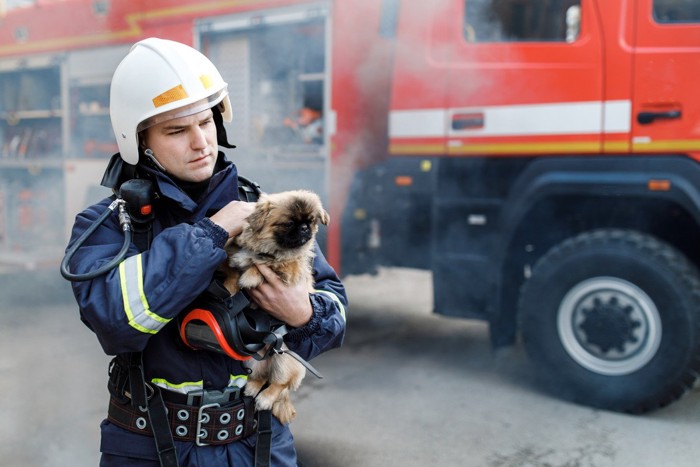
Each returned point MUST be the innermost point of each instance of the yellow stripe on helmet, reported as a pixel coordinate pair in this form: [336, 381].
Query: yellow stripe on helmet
[171, 95]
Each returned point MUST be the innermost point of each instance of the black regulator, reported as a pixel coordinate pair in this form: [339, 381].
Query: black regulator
[134, 205]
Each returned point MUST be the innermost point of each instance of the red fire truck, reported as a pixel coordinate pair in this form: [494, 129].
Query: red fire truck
[541, 158]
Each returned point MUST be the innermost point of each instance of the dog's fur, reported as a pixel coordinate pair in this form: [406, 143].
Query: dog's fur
[280, 234]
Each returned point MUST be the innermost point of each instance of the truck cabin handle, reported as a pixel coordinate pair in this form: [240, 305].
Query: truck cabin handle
[467, 121]
[645, 118]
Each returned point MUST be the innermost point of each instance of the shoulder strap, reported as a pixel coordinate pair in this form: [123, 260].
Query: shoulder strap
[248, 190]
[142, 237]
[154, 406]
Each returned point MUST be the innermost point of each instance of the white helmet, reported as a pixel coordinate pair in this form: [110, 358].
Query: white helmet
[157, 77]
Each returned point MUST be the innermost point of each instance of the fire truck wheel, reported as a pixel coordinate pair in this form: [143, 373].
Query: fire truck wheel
[611, 319]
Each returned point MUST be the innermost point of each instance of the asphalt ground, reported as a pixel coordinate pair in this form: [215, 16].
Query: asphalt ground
[408, 388]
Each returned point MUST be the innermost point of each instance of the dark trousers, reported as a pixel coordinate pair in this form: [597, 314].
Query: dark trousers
[122, 448]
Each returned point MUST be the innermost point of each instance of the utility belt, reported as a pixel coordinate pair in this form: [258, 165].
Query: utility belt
[201, 416]
[204, 417]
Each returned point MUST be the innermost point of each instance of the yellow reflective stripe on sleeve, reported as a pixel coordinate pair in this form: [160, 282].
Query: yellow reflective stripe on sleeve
[336, 300]
[189, 386]
[135, 304]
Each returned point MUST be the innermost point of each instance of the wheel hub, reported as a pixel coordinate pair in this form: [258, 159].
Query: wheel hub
[609, 326]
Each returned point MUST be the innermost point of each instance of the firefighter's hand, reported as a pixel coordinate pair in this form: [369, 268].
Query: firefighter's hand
[287, 303]
[232, 216]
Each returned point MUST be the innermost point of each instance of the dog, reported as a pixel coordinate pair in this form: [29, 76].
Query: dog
[279, 233]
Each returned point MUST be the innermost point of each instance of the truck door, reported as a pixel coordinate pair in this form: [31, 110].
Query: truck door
[666, 104]
[526, 78]
[418, 91]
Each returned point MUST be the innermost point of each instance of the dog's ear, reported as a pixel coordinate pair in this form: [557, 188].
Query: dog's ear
[325, 218]
[258, 218]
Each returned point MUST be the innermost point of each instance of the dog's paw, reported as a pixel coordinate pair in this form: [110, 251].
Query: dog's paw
[252, 388]
[250, 279]
[272, 394]
[264, 401]
[284, 410]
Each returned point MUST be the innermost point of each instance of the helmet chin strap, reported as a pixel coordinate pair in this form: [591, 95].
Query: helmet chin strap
[149, 154]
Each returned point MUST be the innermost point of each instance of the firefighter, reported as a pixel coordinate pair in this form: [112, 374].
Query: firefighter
[170, 404]
[308, 122]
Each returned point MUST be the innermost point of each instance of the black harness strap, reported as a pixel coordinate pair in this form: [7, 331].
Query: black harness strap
[142, 237]
[155, 407]
[263, 447]
[161, 430]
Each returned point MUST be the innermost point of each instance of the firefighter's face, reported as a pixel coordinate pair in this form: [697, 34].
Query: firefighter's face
[307, 116]
[186, 146]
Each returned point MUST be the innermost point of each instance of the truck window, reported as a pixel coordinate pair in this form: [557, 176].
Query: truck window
[522, 20]
[677, 11]
[277, 70]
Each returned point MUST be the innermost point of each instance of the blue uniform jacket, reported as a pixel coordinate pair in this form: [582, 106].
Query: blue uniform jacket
[133, 307]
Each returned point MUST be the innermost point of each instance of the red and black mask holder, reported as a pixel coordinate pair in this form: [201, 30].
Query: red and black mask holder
[230, 324]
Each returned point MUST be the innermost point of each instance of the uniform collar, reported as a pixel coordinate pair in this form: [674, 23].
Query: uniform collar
[223, 184]
[222, 187]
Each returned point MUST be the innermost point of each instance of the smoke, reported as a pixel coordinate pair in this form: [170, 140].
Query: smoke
[277, 75]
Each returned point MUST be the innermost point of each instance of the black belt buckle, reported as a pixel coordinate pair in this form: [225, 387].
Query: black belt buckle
[213, 396]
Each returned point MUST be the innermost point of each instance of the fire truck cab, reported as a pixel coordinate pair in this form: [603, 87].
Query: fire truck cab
[542, 162]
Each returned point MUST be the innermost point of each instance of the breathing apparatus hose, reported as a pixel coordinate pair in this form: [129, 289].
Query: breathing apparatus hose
[124, 221]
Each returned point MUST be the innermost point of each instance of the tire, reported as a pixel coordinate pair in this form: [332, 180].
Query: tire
[611, 319]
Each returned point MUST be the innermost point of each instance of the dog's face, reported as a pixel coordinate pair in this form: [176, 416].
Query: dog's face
[285, 221]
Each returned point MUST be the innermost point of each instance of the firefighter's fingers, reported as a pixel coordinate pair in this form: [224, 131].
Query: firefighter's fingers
[288, 303]
[232, 217]
[270, 277]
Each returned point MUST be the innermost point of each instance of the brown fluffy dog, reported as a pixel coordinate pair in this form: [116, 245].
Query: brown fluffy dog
[279, 234]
